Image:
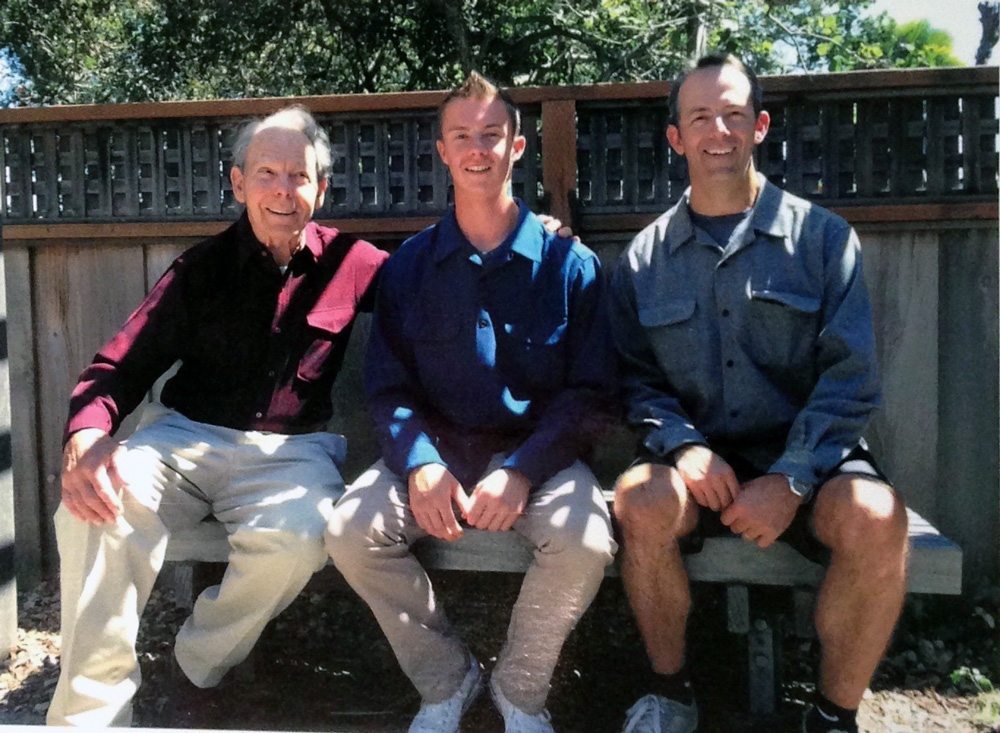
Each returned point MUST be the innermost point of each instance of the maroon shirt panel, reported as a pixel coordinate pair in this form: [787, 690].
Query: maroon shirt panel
[259, 350]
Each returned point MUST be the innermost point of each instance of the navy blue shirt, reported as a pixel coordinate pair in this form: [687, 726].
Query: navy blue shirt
[473, 354]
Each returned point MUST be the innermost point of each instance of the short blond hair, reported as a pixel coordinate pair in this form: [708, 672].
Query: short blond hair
[477, 86]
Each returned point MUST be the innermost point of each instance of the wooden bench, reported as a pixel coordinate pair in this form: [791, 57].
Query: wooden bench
[935, 566]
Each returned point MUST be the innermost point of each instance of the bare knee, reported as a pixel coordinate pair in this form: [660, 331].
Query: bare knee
[652, 502]
[862, 518]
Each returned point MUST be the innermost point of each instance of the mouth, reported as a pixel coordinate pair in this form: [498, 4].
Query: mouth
[285, 214]
[720, 153]
[477, 168]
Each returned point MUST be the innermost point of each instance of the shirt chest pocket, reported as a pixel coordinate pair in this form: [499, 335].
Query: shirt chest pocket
[324, 326]
[532, 354]
[670, 328]
[781, 329]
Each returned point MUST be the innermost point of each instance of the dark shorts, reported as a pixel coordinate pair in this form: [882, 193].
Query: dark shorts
[800, 533]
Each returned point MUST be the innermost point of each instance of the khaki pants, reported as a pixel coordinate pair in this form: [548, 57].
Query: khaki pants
[272, 492]
[369, 538]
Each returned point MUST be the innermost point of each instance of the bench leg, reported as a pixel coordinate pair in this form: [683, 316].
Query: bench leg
[762, 667]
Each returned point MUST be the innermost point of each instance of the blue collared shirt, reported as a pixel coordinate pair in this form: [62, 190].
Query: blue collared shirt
[764, 348]
[473, 354]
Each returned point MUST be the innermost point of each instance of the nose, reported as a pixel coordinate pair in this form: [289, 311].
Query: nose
[720, 125]
[285, 185]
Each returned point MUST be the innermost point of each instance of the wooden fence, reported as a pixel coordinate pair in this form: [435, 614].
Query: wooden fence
[95, 202]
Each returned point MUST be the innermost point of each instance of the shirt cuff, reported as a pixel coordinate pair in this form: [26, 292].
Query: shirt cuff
[663, 441]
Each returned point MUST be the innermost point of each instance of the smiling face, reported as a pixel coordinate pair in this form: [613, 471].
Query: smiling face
[279, 187]
[478, 145]
[716, 127]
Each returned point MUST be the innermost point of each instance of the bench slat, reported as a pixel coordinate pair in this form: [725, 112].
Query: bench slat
[935, 563]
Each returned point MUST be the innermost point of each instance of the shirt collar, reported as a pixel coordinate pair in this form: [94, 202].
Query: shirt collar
[248, 244]
[523, 240]
[768, 216]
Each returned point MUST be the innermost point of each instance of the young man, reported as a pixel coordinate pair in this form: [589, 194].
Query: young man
[486, 367]
[745, 340]
[259, 317]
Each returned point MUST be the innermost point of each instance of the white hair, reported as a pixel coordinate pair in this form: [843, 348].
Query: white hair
[295, 117]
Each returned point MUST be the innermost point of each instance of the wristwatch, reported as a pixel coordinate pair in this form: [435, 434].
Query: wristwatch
[800, 488]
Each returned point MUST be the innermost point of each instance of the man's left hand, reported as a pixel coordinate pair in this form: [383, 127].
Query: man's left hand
[763, 510]
[498, 500]
[556, 227]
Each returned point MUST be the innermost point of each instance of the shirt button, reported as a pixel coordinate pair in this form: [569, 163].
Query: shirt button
[728, 364]
[271, 373]
[483, 323]
[734, 413]
[725, 313]
[260, 414]
[278, 329]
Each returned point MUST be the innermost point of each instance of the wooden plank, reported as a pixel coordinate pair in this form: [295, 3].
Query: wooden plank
[31, 524]
[737, 608]
[8, 570]
[901, 271]
[968, 501]
[761, 669]
[76, 313]
[934, 566]
[875, 82]
[916, 212]
[559, 159]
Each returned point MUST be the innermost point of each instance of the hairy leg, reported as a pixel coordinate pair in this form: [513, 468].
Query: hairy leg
[654, 509]
[864, 523]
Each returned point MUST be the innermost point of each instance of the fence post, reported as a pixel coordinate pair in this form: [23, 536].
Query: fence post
[8, 581]
[559, 157]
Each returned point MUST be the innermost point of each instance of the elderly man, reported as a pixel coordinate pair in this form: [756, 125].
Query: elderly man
[745, 339]
[258, 317]
[485, 373]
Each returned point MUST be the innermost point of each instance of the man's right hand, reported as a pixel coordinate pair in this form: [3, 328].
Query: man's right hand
[708, 477]
[434, 493]
[91, 483]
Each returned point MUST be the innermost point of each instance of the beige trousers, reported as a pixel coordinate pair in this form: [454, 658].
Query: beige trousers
[273, 493]
[369, 538]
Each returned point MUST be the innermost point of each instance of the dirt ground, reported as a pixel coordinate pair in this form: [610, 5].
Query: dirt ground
[324, 665]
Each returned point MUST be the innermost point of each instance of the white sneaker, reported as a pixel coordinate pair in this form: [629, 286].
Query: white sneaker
[516, 720]
[657, 714]
[444, 717]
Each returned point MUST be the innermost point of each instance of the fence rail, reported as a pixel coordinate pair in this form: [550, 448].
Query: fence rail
[842, 140]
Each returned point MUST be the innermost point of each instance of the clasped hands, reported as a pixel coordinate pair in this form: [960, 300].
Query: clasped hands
[759, 510]
[494, 504]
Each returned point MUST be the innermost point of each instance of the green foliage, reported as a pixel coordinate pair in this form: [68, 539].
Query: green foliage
[76, 51]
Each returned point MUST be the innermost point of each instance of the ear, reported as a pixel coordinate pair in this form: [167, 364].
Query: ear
[761, 127]
[517, 147]
[321, 192]
[236, 178]
[674, 138]
[440, 149]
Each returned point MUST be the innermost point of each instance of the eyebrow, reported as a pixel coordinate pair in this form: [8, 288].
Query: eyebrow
[459, 128]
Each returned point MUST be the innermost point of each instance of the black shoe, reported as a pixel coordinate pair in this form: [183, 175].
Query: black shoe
[813, 721]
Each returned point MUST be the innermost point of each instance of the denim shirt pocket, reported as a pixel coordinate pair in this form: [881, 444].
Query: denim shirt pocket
[323, 326]
[670, 328]
[781, 330]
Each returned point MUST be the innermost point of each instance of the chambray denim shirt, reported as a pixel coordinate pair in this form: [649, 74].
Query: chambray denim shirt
[472, 355]
[764, 348]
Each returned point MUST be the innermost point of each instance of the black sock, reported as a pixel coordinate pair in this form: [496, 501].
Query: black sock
[827, 715]
[676, 686]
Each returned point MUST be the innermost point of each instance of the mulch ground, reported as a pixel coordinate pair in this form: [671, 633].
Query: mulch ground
[324, 665]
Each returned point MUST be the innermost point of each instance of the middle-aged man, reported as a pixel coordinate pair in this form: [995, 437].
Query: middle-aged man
[745, 338]
[258, 317]
[485, 373]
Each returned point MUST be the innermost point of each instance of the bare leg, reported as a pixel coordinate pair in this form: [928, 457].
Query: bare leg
[864, 524]
[654, 509]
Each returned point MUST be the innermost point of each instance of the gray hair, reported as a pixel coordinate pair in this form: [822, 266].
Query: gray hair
[295, 117]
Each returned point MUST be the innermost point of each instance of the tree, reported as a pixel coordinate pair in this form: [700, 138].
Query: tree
[136, 50]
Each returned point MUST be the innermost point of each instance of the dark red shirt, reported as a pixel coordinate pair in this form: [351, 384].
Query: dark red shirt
[259, 350]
